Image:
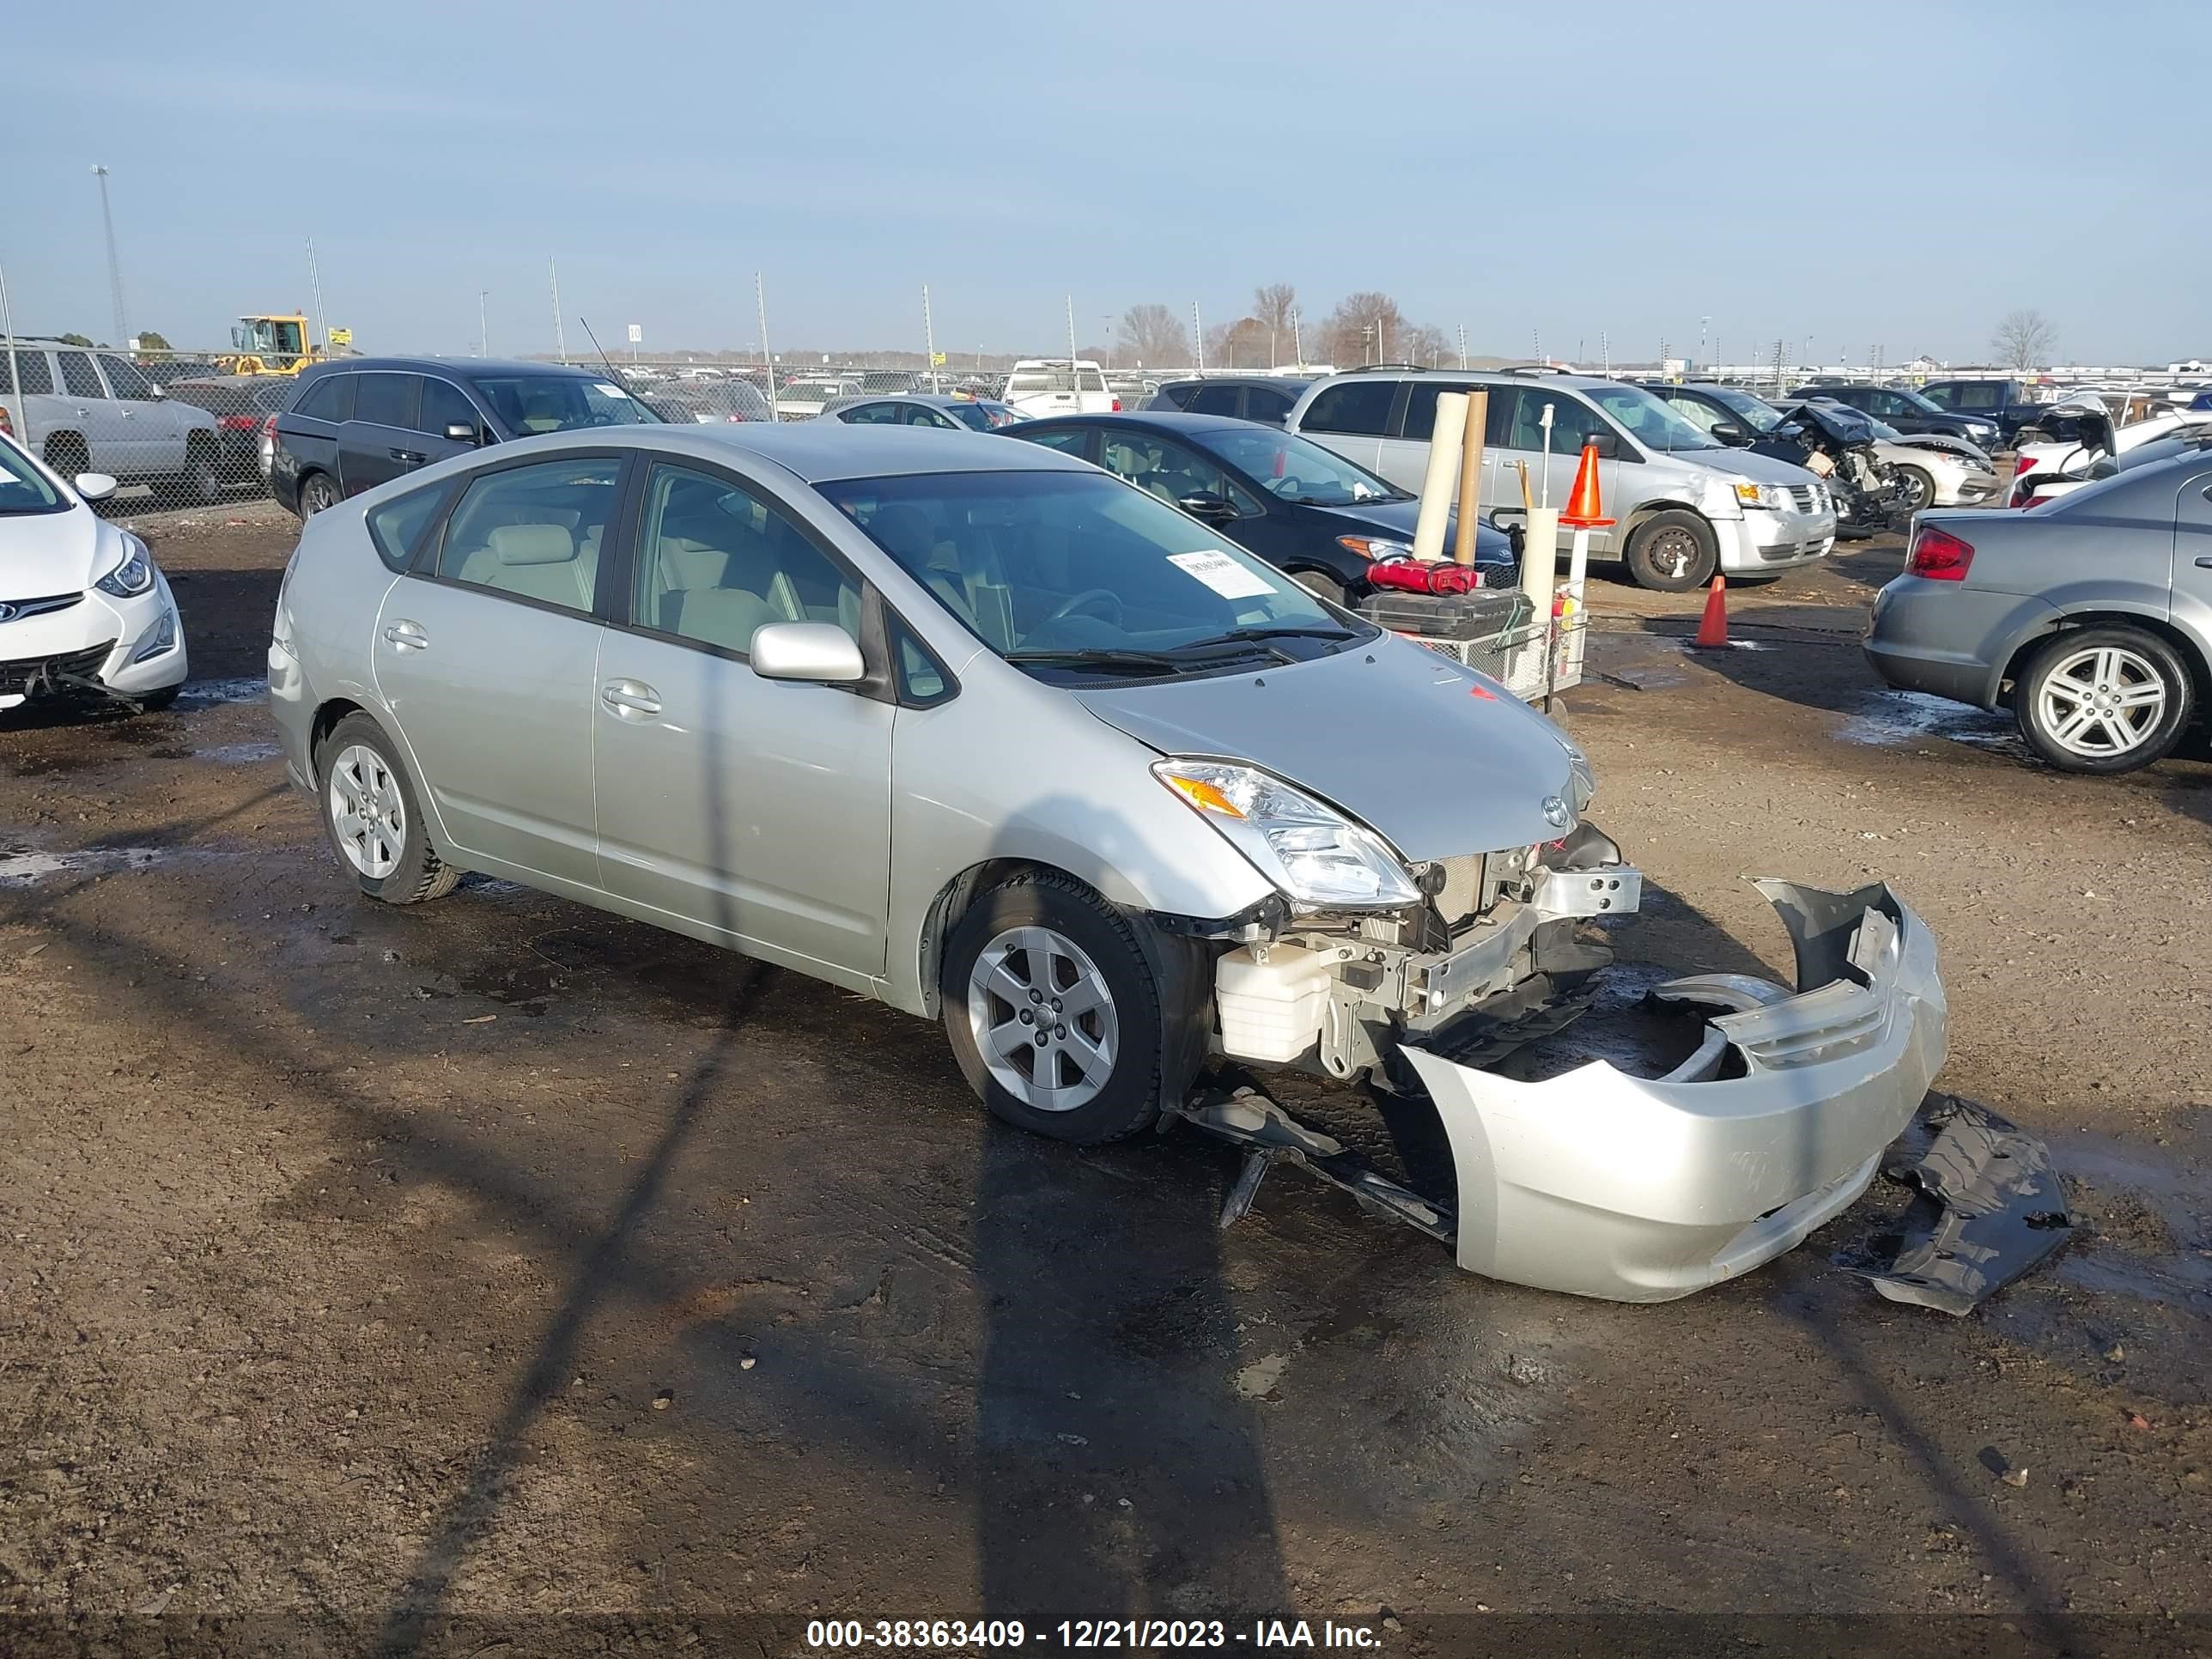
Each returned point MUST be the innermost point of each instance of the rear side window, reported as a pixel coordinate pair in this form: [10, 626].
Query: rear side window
[1420, 422]
[329, 398]
[77, 375]
[534, 532]
[1982, 395]
[1180, 395]
[396, 526]
[1214, 400]
[1361, 408]
[384, 399]
[32, 374]
[125, 380]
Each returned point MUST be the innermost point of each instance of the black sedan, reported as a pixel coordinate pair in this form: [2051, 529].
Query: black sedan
[1312, 514]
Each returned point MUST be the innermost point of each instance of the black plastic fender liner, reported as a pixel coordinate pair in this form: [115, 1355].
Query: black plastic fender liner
[1987, 1206]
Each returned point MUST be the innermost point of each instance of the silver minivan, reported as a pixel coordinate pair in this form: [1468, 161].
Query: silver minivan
[89, 410]
[1685, 504]
[975, 729]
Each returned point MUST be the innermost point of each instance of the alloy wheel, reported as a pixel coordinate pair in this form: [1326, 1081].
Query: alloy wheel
[1043, 1019]
[2102, 701]
[366, 813]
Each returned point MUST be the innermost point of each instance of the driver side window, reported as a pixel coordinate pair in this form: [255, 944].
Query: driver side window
[1168, 470]
[1696, 411]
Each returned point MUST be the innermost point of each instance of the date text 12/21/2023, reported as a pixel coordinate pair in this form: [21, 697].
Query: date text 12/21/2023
[1085, 1634]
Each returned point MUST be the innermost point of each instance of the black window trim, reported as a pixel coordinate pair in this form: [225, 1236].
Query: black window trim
[435, 526]
[881, 682]
[423, 567]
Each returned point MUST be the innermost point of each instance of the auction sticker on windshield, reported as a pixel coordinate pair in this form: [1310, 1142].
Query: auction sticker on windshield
[1224, 575]
[605, 389]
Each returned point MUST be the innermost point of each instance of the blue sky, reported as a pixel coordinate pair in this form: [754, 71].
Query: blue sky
[1560, 170]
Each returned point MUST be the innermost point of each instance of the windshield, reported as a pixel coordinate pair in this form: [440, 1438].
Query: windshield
[23, 487]
[1754, 412]
[531, 404]
[1294, 469]
[1077, 574]
[1654, 424]
[1919, 403]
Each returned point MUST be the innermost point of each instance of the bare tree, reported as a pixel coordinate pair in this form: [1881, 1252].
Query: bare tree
[1272, 307]
[2025, 340]
[1154, 335]
[1364, 328]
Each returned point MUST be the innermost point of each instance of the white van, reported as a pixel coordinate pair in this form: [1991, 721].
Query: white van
[1059, 386]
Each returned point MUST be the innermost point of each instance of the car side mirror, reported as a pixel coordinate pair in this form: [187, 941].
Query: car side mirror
[460, 432]
[819, 651]
[1730, 433]
[93, 486]
[1211, 509]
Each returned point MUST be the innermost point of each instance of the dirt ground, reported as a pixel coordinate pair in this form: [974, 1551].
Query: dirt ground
[496, 1275]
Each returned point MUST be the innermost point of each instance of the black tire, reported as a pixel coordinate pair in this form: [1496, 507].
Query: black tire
[1919, 486]
[1129, 1099]
[1321, 584]
[418, 873]
[200, 484]
[1673, 552]
[318, 490]
[2144, 656]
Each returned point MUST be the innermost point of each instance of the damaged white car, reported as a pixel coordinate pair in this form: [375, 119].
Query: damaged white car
[982, 732]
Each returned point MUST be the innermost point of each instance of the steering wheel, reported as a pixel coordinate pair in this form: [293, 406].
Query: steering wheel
[1069, 607]
[1287, 486]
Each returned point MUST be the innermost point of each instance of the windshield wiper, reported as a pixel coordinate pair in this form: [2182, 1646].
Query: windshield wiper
[1135, 662]
[1265, 638]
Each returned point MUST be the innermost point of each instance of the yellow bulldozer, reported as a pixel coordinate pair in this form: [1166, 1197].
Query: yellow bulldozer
[276, 344]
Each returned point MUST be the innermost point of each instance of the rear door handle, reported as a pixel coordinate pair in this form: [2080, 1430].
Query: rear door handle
[407, 636]
[409, 456]
[2205, 563]
[631, 700]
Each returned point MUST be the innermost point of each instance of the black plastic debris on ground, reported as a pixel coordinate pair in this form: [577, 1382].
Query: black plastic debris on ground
[1987, 1207]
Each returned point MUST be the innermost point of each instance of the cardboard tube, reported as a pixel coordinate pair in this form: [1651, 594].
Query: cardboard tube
[1540, 561]
[1526, 500]
[1470, 474]
[1436, 483]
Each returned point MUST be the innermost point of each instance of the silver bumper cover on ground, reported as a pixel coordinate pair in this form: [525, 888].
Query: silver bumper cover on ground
[1603, 1184]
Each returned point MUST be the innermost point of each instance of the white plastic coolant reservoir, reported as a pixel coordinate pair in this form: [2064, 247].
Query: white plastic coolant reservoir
[1271, 1010]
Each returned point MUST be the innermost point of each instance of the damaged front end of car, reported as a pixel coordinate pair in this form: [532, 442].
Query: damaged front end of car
[1601, 1183]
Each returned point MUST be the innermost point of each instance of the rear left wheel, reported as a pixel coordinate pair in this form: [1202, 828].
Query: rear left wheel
[199, 484]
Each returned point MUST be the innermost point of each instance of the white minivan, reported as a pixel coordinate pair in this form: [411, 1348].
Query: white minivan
[1059, 386]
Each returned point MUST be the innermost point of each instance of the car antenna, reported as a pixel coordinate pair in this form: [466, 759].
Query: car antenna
[620, 379]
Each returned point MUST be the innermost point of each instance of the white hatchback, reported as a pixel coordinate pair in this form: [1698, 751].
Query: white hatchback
[83, 608]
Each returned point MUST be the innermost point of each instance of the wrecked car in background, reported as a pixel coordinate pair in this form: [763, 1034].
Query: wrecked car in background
[1156, 809]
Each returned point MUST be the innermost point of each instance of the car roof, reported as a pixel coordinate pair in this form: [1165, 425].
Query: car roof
[1288, 381]
[463, 367]
[819, 452]
[1162, 420]
[934, 399]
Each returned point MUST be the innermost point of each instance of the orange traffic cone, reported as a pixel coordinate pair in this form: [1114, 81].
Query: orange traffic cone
[1712, 630]
[1584, 510]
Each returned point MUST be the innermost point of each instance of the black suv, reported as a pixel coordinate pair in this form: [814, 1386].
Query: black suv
[365, 420]
[1265, 397]
[1907, 411]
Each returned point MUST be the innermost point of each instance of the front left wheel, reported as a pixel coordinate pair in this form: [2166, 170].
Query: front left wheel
[1052, 1011]
[371, 814]
[1916, 488]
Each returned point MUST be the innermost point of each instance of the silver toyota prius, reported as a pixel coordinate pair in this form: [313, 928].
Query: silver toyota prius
[982, 732]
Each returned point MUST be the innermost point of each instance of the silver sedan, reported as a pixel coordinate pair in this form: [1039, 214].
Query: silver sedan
[979, 730]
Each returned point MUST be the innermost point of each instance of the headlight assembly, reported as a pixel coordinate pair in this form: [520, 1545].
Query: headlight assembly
[1758, 494]
[1371, 547]
[134, 575]
[1318, 857]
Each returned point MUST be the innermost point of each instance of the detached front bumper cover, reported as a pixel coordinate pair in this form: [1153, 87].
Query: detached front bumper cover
[1602, 1184]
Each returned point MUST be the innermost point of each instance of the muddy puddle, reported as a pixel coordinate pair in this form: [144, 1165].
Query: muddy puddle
[1893, 720]
[23, 867]
[206, 694]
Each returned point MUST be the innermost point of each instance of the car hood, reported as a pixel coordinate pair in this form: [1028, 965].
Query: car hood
[1438, 759]
[44, 554]
[1396, 519]
[1748, 464]
[1943, 443]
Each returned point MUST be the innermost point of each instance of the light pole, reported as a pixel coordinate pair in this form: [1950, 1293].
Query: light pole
[114, 265]
[483, 329]
[1704, 323]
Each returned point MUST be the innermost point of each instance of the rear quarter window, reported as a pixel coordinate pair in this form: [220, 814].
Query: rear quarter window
[1361, 408]
[33, 373]
[396, 526]
[329, 398]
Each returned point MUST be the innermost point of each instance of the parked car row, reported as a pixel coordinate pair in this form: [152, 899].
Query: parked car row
[85, 410]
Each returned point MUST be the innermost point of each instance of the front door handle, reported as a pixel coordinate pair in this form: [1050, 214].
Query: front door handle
[2205, 563]
[407, 636]
[631, 700]
[409, 456]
